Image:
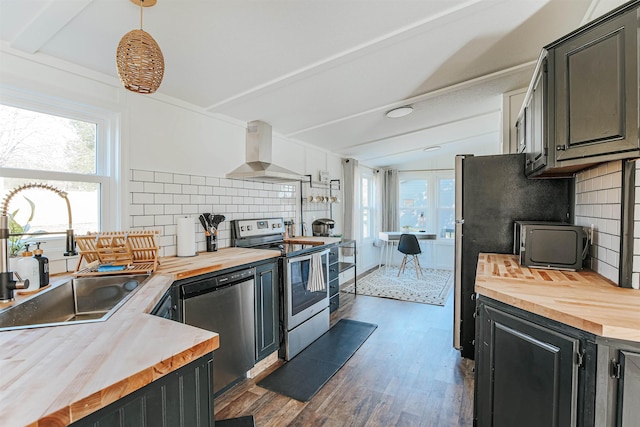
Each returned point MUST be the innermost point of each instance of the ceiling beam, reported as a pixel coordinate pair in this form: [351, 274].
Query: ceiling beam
[348, 54]
[415, 140]
[46, 24]
[419, 149]
[425, 96]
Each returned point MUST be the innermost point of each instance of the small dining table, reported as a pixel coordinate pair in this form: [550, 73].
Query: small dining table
[391, 237]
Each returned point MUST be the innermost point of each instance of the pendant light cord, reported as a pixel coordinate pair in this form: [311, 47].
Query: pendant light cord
[141, 2]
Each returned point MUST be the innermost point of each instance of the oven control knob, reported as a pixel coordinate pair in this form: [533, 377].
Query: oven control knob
[242, 228]
[248, 228]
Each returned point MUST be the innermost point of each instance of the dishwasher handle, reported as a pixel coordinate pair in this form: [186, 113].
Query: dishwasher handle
[211, 284]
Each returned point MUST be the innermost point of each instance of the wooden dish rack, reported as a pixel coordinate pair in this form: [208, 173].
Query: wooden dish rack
[136, 250]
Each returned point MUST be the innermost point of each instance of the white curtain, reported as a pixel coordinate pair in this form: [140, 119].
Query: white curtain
[390, 201]
[350, 193]
[387, 192]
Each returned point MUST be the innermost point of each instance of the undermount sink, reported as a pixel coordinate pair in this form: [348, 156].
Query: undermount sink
[79, 300]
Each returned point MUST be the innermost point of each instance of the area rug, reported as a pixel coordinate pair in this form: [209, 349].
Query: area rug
[304, 375]
[432, 288]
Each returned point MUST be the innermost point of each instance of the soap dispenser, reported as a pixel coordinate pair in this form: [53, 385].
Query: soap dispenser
[28, 268]
[43, 265]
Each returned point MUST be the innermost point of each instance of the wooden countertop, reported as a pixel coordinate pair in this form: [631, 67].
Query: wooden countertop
[57, 375]
[583, 299]
[313, 240]
[207, 262]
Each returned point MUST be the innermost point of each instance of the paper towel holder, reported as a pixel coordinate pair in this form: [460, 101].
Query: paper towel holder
[185, 237]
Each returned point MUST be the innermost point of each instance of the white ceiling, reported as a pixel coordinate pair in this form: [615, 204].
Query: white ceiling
[324, 72]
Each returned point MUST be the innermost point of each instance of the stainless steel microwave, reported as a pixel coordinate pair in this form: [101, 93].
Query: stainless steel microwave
[552, 245]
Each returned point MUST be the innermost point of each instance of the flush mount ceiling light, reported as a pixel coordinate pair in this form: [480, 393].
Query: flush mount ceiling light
[139, 59]
[434, 148]
[400, 112]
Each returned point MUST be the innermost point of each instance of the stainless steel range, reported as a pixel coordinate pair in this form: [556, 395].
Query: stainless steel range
[304, 280]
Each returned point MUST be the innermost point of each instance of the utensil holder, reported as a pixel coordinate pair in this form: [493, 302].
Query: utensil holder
[212, 243]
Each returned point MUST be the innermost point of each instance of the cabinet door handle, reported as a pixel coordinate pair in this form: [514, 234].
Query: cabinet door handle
[561, 148]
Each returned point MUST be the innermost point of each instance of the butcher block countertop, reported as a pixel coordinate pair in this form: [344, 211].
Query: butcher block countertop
[583, 299]
[207, 262]
[57, 375]
[313, 240]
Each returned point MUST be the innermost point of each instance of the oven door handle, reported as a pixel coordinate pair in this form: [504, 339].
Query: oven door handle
[306, 257]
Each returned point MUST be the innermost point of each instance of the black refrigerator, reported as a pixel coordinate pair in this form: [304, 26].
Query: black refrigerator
[491, 193]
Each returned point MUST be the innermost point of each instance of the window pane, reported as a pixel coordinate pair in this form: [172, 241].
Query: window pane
[366, 226]
[447, 193]
[414, 204]
[49, 210]
[446, 212]
[365, 193]
[32, 140]
[366, 206]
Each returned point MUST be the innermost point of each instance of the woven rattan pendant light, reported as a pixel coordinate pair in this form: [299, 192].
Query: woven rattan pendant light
[139, 58]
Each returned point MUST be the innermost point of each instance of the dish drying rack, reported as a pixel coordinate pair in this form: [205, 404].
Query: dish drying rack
[136, 251]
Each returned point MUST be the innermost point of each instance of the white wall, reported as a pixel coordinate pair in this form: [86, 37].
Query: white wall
[598, 203]
[165, 137]
[159, 135]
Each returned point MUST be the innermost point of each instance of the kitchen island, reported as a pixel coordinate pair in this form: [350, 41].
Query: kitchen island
[58, 375]
[554, 347]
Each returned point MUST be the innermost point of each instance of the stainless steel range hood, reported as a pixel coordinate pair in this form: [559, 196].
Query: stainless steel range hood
[258, 166]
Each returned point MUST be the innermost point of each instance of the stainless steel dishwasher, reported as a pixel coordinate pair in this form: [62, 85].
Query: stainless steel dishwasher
[224, 304]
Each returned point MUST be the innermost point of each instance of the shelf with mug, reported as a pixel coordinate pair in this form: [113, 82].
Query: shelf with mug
[321, 192]
[318, 196]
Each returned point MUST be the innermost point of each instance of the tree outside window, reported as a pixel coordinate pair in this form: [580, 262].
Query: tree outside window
[427, 202]
[55, 150]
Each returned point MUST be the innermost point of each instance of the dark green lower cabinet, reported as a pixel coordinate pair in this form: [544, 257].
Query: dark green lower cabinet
[618, 385]
[182, 398]
[530, 371]
[267, 310]
[628, 410]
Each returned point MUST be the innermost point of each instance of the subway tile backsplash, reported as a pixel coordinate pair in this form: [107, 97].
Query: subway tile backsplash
[159, 198]
[598, 203]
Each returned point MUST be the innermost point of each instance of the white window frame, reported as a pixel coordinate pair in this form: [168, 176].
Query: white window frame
[434, 178]
[368, 175]
[109, 165]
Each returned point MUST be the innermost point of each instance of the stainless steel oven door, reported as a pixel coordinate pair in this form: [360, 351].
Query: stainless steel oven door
[301, 302]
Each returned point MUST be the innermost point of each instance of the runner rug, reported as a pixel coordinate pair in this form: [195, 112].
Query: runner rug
[304, 375]
[432, 288]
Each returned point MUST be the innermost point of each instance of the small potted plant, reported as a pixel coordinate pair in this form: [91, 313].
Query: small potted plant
[16, 242]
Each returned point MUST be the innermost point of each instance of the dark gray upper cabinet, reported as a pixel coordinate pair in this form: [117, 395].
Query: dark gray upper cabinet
[520, 135]
[596, 88]
[537, 116]
[582, 104]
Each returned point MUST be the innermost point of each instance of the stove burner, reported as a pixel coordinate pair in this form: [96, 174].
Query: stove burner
[266, 234]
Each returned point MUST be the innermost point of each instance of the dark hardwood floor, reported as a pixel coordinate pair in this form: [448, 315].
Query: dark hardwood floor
[406, 374]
